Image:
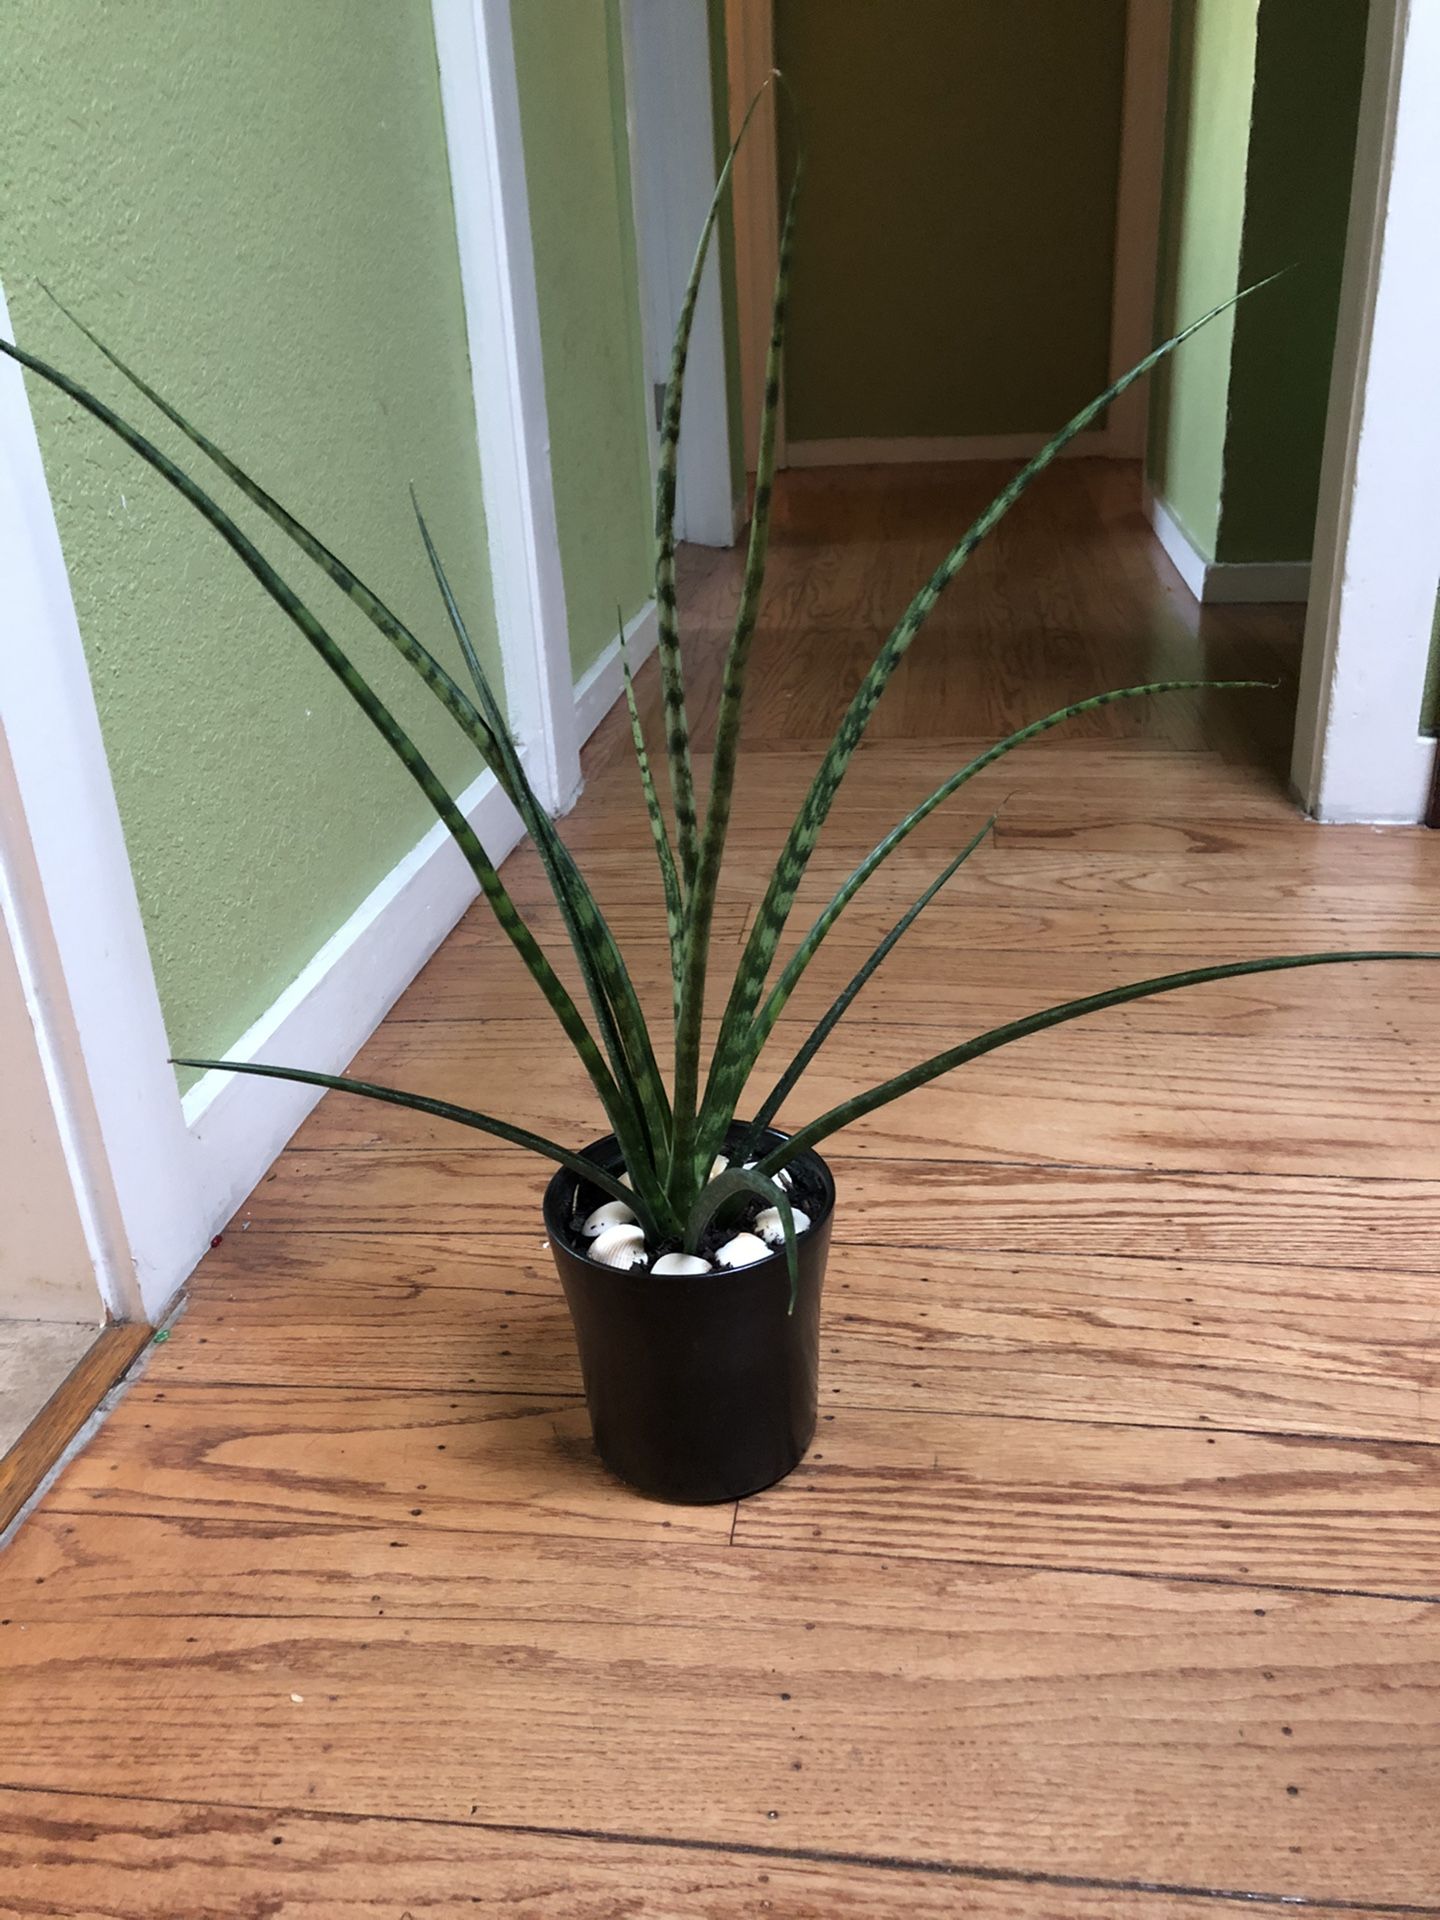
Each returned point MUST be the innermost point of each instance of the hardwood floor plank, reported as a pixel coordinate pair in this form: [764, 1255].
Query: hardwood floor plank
[1081, 1714]
[1389, 1225]
[80, 1857]
[485, 1464]
[927, 981]
[1152, 1298]
[1351, 1515]
[1289, 1510]
[1080, 1094]
[1096, 1336]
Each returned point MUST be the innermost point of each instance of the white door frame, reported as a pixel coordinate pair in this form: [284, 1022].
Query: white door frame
[1359, 754]
[475, 49]
[750, 59]
[751, 37]
[72, 914]
[154, 1176]
[672, 181]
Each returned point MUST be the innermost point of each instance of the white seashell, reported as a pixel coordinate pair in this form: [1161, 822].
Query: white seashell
[614, 1213]
[619, 1246]
[770, 1227]
[783, 1179]
[718, 1166]
[681, 1263]
[743, 1251]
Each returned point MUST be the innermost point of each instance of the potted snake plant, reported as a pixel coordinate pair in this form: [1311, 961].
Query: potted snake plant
[691, 1240]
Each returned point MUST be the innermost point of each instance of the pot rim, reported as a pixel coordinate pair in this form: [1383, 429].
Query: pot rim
[561, 1183]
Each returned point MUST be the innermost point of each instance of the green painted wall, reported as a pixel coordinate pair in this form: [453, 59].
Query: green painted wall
[570, 68]
[1212, 81]
[1264, 100]
[253, 203]
[954, 246]
[1309, 64]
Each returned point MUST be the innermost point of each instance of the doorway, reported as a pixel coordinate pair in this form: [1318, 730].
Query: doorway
[976, 246]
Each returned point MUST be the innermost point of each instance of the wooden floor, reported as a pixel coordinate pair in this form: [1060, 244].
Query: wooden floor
[1111, 1588]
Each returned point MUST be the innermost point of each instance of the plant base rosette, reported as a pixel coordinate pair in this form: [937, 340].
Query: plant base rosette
[701, 1387]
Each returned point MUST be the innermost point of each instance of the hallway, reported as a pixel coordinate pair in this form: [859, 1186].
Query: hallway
[1111, 1587]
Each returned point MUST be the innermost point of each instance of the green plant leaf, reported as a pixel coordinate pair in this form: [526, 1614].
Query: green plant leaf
[727, 1186]
[439, 1110]
[602, 967]
[669, 878]
[672, 676]
[700, 906]
[828, 1021]
[623, 1120]
[931, 1069]
[794, 856]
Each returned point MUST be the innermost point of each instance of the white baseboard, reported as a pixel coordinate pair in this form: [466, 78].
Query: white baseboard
[1221, 582]
[1386, 784]
[917, 448]
[238, 1124]
[602, 683]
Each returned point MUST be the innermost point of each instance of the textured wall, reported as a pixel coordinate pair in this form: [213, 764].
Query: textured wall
[252, 202]
[1264, 103]
[954, 245]
[570, 69]
[1310, 61]
[1212, 79]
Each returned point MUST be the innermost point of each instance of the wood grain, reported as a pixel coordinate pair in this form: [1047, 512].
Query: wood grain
[951, 1204]
[486, 1464]
[113, 1351]
[1102, 1592]
[1080, 1094]
[118, 1859]
[1077, 1712]
[1090, 1336]
[1292, 1510]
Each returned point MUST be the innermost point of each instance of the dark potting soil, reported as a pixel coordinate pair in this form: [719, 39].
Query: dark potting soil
[805, 1192]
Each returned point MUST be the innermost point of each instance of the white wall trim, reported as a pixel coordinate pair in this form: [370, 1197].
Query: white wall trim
[476, 54]
[603, 681]
[1137, 217]
[672, 176]
[1226, 582]
[238, 1124]
[73, 915]
[1358, 751]
[921, 447]
[750, 58]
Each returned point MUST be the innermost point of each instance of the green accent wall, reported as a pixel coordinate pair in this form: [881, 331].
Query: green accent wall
[570, 71]
[1264, 102]
[954, 245]
[1212, 83]
[1309, 64]
[253, 203]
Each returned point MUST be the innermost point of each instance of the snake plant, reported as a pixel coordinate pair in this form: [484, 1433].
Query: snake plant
[670, 1129]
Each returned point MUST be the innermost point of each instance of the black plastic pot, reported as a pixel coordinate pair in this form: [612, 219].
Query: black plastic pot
[701, 1387]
